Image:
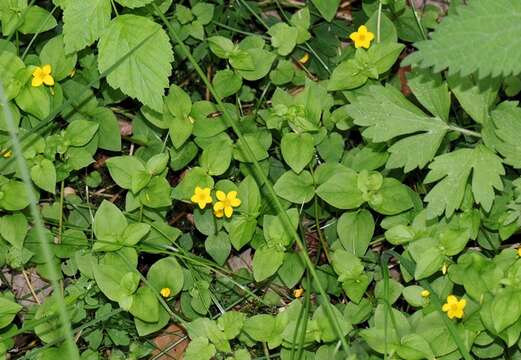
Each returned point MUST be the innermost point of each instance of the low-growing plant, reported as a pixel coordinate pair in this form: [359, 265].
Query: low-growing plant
[286, 179]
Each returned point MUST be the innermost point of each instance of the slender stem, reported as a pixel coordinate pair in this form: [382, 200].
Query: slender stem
[379, 22]
[60, 225]
[245, 147]
[266, 350]
[464, 131]
[28, 47]
[418, 21]
[323, 241]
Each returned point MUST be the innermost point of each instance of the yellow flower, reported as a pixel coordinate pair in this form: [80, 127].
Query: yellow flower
[304, 59]
[201, 196]
[165, 292]
[362, 37]
[298, 293]
[425, 293]
[519, 251]
[454, 307]
[226, 203]
[6, 153]
[42, 75]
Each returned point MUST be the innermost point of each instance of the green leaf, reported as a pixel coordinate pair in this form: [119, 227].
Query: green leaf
[218, 247]
[166, 273]
[13, 196]
[452, 171]
[241, 231]
[199, 349]
[80, 132]
[507, 121]
[283, 38]
[216, 157]
[83, 23]
[194, 177]
[43, 174]
[262, 61]
[291, 270]
[431, 91]
[355, 230]
[383, 55]
[298, 189]
[297, 150]
[145, 305]
[349, 74]
[494, 46]
[226, 82]
[8, 311]
[53, 53]
[392, 198]
[157, 193]
[266, 262]
[37, 20]
[327, 8]
[341, 189]
[108, 132]
[13, 229]
[506, 308]
[260, 327]
[109, 221]
[134, 3]
[144, 74]
[222, 47]
[388, 115]
[123, 168]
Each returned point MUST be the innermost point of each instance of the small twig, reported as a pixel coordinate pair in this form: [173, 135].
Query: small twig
[28, 281]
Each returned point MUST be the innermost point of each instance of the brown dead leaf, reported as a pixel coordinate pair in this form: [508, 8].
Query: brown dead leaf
[173, 341]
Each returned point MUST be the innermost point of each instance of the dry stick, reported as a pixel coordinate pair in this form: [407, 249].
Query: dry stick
[250, 156]
[28, 282]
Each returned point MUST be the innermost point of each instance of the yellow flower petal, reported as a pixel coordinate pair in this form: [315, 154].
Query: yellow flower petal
[218, 206]
[219, 213]
[235, 202]
[231, 195]
[36, 82]
[228, 211]
[48, 80]
[451, 299]
[362, 29]
[425, 293]
[445, 307]
[304, 59]
[165, 292]
[46, 69]
[221, 196]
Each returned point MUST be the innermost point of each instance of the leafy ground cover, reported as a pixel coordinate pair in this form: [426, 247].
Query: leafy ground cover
[272, 179]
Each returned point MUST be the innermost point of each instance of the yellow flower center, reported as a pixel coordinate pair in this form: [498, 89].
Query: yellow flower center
[165, 292]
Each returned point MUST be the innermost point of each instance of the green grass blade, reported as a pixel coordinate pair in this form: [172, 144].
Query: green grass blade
[38, 224]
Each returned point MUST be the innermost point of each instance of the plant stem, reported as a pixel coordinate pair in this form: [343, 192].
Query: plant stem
[464, 131]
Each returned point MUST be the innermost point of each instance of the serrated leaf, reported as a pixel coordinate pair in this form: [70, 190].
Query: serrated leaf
[452, 171]
[83, 23]
[481, 37]
[144, 74]
[507, 121]
[388, 115]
